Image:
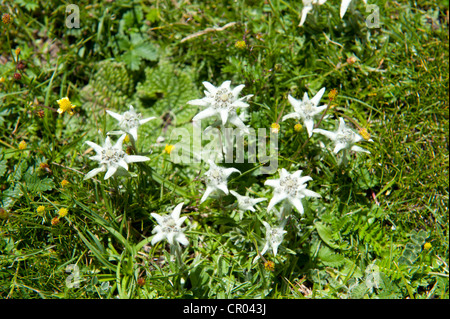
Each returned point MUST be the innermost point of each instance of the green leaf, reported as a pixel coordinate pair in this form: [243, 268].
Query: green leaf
[3, 167]
[325, 234]
[329, 258]
[34, 184]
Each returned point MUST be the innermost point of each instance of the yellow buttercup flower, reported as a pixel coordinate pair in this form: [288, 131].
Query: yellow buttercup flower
[275, 128]
[65, 106]
[40, 209]
[63, 212]
[2, 79]
[332, 95]
[364, 133]
[64, 183]
[298, 127]
[269, 265]
[169, 148]
[427, 246]
[22, 145]
[240, 44]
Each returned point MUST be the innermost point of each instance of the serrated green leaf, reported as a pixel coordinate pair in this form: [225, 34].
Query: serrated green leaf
[325, 234]
[34, 184]
[329, 258]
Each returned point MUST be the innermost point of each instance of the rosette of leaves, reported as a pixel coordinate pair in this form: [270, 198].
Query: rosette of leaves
[111, 86]
[164, 94]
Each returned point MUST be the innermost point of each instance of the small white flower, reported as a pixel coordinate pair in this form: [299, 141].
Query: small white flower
[129, 122]
[169, 227]
[216, 179]
[274, 237]
[344, 138]
[291, 187]
[111, 158]
[344, 6]
[222, 101]
[245, 202]
[308, 6]
[306, 109]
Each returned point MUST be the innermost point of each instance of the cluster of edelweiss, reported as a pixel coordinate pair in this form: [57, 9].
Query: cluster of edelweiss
[223, 101]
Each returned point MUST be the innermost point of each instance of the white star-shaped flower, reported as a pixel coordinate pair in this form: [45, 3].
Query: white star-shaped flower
[222, 101]
[306, 109]
[169, 227]
[308, 6]
[129, 122]
[344, 138]
[111, 158]
[246, 202]
[291, 187]
[216, 179]
[274, 237]
[344, 6]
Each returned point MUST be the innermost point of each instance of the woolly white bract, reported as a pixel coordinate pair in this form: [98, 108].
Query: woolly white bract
[306, 109]
[111, 158]
[216, 179]
[291, 187]
[222, 101]
[169, 227]
[129, 122]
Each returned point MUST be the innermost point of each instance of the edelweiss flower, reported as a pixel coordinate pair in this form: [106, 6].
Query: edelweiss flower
[291, 187]
[216, 179]
[245, 202]
[129, 122]
[111, 158]
[344, 6]
[222, 101]
[308, 6]
[306, 109]
[274, 237]
[169, 227]
[344, 138]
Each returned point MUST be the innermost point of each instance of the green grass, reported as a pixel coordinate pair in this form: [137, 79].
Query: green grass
[382, 219]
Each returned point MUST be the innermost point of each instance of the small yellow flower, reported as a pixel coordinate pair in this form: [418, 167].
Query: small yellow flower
[2, 79]
[427, 246]
[65, 106]
[363, 132]
[17, 51]
[64, 183]
[6, 18]
[127, 139]
[332, 94]
[63, 212]
[55, 221]
[169, 148]
[22, 145]
[275, 128]
[40, 209]
[240, 44]
[269, 265]
[298, 127]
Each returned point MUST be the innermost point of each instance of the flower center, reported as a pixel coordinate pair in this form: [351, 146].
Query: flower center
[345, 137]
[223, 99]
[290, 185]
[130, 120]
[170, 225]
[276, 236]
[215, 177]
[112, 155]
